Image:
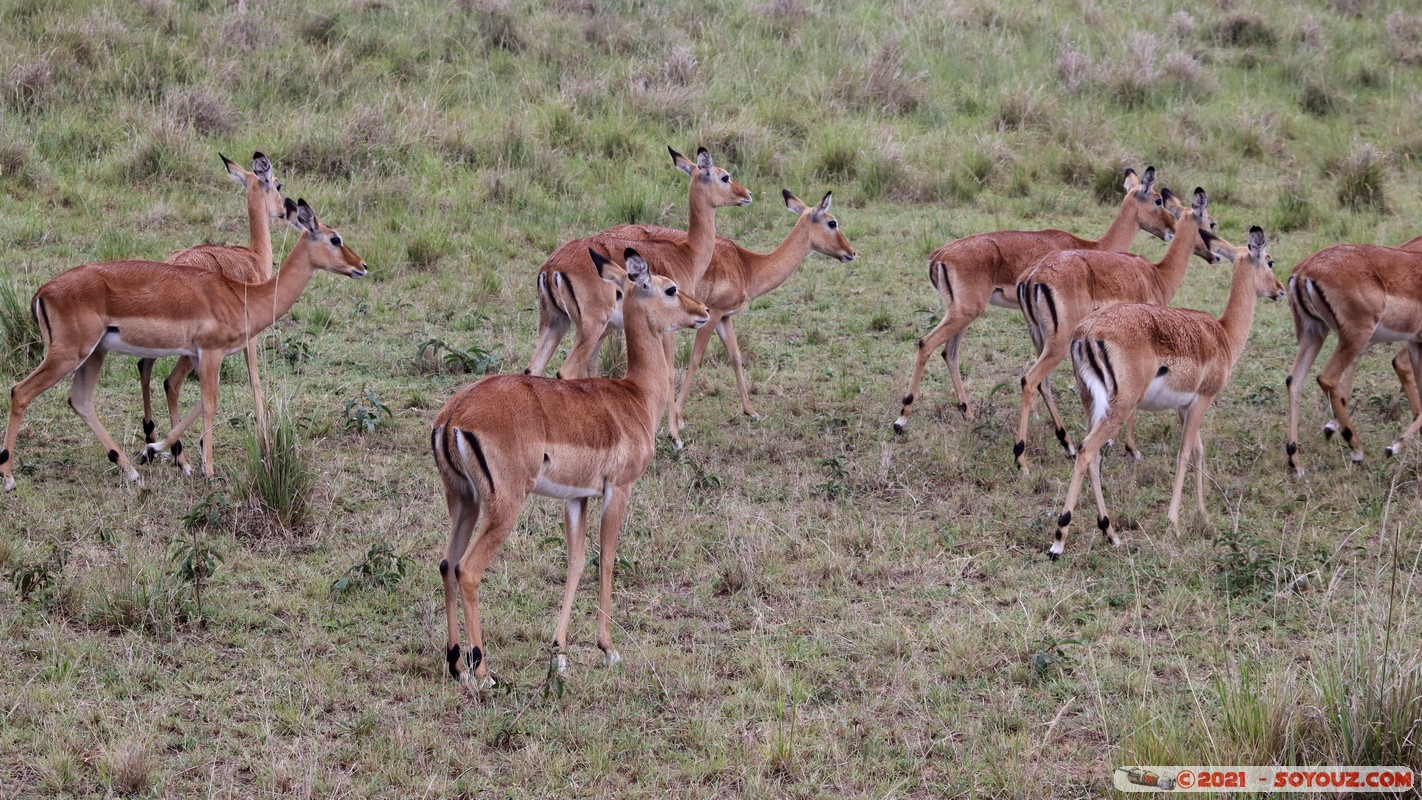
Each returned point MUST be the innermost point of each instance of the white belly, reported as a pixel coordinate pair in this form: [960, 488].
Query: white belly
[1383, 333]
[113, 342]
[1159, 397]
[548, 488]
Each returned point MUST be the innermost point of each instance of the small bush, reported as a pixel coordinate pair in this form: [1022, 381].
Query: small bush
[362, 413]
[30, 85]
[1244, 29]
[202, 110]
[1074, 67]
[883, 83]
[1404, 38]
[837, 160]
[129, 769]
[1023, 108]
[1360, 181]
[1293, 210]
[164, 153]
[324, 29]
[382, 568]
[279, 481]
[1317, 99]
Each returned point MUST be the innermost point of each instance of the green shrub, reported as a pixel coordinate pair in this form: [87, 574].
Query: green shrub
[279, 480]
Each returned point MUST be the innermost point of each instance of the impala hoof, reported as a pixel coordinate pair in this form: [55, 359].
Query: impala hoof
[560, 663]
[1356, 456]
[1330, 429]
[677, 444]
[1392, 449]
[754, 416]
[9, 484]
[477, 683]
[1053, 555]
[899, 425]
[611, 658]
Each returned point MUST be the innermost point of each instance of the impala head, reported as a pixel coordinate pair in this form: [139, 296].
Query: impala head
[324, 246]
[1198, 213]
[709, 178]
[1147, 204]
[1256, 254]
[825, 235]
[662, 304]
[262, 187]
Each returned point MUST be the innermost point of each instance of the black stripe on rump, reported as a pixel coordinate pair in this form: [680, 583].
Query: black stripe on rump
[572, 295]
[479, 454]
[1106, 361]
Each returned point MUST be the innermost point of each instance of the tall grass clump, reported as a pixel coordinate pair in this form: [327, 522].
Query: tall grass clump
[20, 346]
[1293, 209]
[279, 480]
[1370, 707]
[1359, 178]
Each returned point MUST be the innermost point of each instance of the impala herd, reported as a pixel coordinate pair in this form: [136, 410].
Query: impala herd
[579, 436]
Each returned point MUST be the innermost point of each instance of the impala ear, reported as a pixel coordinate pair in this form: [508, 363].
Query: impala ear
[1257, 241]
[1132, 180]
[290, 215]
[261, 165]
[1147, 182]
[795, 204]
[1171, 202]
[682, 162]
[703, 160]
[1201, 202]
[637, 270]
[305, 217]
[234, 170]
[1224, 252]
[599, 261]
[824, 206]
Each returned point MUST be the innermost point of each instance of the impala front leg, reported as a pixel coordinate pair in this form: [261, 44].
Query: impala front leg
[614, 507]
[575, 513]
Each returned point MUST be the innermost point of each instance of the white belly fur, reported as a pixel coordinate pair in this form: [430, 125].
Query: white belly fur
[548, 488]
[1382, 333]
[113, 342]
[1159, 397]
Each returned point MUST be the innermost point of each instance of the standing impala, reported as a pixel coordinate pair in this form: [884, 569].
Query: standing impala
[508, 436]
[982, 269]
[1136, 356]
[251, 264]
[737, 276]
[572, 292]
[1368, 294]
[148, 309]
[1064, 287]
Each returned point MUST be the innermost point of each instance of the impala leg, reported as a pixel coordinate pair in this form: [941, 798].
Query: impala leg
[172, 389]
[551, 327]
[463, 514]
[1414, 354]
[56, 364]
[948, 335]
[1038, 375]
[698, 350]
[1336, 382]
[1131, 450]
[1310, 342]
[669, 350]
[495, 524]
[254, 377]
[1103, 519]
[145, 388]
[1190, 417]
[591, 328]
[81, 399]
[1406, 375]
[1090, 451]
[1199, 458]
[575, 517]
[727, 331]
[614, 507]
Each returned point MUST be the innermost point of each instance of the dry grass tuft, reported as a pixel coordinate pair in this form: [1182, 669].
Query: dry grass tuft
[29, 85]
[1404, 38]
[1074, 68]
[1360, 180]
[130, 770]
[204, 110]
[1244, 29]
[884, 83]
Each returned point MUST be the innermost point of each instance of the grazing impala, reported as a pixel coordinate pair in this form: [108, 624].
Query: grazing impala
[983, 269]
[251, 264]
[507, 436]
[1368, 294]
[572, 292]
[737, 276]
[150, 310]
[1136, 356]
[1062, 288]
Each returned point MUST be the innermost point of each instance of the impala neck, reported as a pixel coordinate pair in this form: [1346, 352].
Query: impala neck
[647, 366]
[700, 231]
[1122, 232]
[769, 270]
[1239, 309]
[269, 300]
[259, 231]
[1170, 270]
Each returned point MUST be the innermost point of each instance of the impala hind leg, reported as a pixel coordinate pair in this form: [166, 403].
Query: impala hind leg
[145, 388]
[587, 337]
[1088, 458]
[727, 331]
[463, 514]
[1336, 380]
[55, 366]
[1414, 354]
[254, 378]
[947, 334]
[1039, 375]
[81, 399]
[1310, 340]
[551, 328]
[172, 390]
[1191, 418]
[698, 350]
[614, 508]
[496, 522]
[1407, 376]
[575, 517]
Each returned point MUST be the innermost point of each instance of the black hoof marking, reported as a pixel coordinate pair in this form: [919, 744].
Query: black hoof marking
[1061, 436]
[963, 407]
[4, 456]
[1017, 449]
[148, 427]
[456, 570]
[558, 374]
[1327, 433]
[1053, 556]
[177, 448]
[452, 656]
[898, 428]
[920, 344]
[1063, 521]
[476, 657]
[526, 372]
[1023, 381]
[908, 399]
[113, 456]
[1104, 523]
[1389, 452]
[1292, 448]
[1288, 381]
[443, 567]
[1348, 435]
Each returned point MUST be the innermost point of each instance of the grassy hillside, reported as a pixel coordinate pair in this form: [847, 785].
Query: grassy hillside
[806, 605]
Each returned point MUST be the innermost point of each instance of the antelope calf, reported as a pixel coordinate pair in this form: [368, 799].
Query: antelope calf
[1136, 356]
[984, 269]
[148, 309]
[508, 436]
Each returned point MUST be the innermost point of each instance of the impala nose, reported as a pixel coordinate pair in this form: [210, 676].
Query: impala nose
[847, 257]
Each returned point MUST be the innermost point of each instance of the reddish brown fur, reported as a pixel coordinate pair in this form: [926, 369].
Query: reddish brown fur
[508, 436]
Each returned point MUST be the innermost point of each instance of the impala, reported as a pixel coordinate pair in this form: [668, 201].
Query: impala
[1133, 356]
[572, 292]
[1368, 294]
[251, 264]
[1062, 288]
[737, 276]
[150, 310]
[507, 436]
[983, 269]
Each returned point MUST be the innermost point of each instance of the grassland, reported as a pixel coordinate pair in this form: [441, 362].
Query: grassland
[807, 605]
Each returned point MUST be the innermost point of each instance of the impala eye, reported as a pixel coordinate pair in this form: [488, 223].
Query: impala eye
[671, 291]
[833, 224]
[1159, 202]
[725, 179]
[335, 241]
[278, 186]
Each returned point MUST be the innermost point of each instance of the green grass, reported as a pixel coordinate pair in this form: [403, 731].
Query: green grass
[806, 605]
